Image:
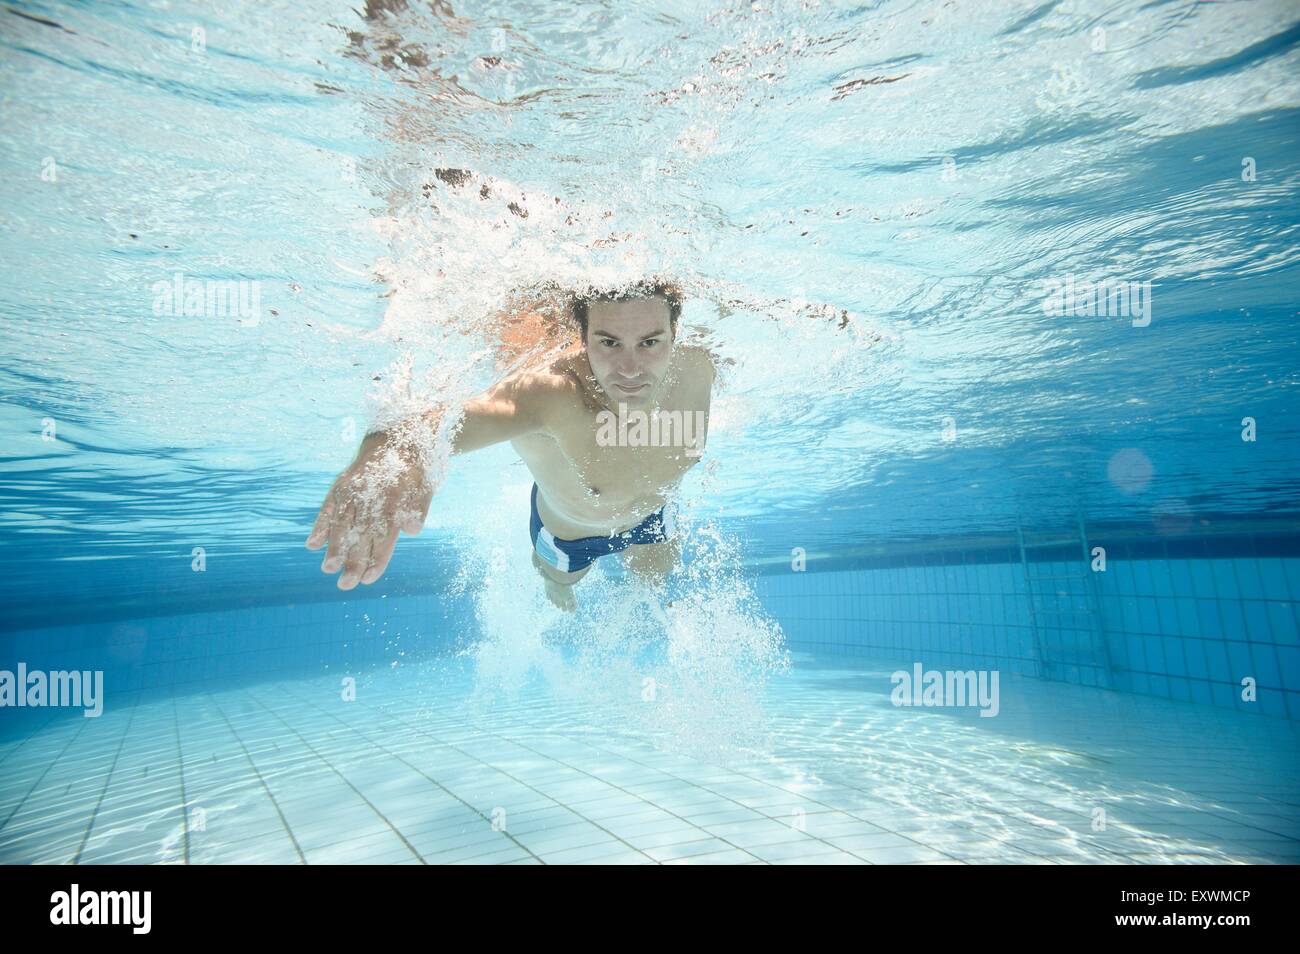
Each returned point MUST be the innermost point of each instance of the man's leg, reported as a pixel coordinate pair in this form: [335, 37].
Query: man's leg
[652, 562]
[559, 585]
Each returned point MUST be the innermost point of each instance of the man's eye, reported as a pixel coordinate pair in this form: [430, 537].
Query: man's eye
[609, 342]
[650, 342]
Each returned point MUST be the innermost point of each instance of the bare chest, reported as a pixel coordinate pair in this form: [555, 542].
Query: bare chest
[616, 462]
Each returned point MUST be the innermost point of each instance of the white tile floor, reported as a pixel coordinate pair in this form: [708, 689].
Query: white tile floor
[287, 773]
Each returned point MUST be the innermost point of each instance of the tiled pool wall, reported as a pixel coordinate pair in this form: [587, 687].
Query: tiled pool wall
[1179, 625]
[1185, 626]
[152, 622]
[196, 651]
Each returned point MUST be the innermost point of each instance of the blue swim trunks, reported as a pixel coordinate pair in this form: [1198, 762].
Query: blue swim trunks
[570, 556]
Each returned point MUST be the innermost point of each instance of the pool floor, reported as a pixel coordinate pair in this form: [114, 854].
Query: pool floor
[286, 772]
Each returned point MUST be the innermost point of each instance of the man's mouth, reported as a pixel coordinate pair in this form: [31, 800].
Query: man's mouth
[629, 390]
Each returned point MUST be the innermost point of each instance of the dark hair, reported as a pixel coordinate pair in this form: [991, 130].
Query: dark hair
[642, 289]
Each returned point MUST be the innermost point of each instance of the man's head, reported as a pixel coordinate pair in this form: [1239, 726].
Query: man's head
[629, 339]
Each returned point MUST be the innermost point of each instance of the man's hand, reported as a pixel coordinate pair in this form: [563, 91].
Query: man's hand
[381, 493]
[386, 489]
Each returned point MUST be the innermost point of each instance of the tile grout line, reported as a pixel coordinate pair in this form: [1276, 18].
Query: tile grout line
[266, 788]
[34, 733]
[41, 778]
[428, 777]
[180, 774]
[328, 764]
[573, 768]
[442, 742]
[108, 779]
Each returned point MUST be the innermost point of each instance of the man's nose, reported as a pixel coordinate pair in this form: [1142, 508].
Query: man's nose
[628, 366]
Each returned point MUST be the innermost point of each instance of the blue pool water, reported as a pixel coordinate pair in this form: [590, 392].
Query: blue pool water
[930, 450]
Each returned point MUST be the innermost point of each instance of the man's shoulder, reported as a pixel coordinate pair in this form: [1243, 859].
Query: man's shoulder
[551, 377]
[553, 388]
[697, 361]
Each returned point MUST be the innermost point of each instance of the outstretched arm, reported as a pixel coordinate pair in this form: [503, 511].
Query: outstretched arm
[387, 488]
[517, 406]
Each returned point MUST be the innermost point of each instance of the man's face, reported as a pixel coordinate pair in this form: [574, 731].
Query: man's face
[629, 344]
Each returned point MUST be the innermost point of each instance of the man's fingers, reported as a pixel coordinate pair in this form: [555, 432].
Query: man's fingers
[357, 560]
[341, 533]
[414, 510]
[382, 553]
[320, 531]
[362, 529]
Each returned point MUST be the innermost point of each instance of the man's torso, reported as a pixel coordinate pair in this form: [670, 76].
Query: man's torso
[594, 480]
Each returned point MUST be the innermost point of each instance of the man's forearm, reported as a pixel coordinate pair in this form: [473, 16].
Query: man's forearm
[423, 423]
[512, 408]
[418, 439]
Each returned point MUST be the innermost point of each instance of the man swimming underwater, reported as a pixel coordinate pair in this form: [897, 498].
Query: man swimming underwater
[596, 492]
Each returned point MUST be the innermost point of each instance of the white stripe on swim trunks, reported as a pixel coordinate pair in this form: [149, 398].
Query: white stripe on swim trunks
[561, 558]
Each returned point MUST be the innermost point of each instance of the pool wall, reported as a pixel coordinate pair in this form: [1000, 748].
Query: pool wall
[1177, 622]
[1187, 626]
